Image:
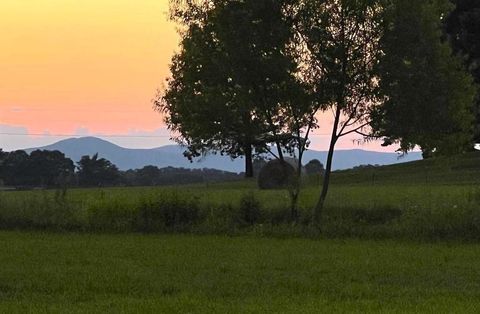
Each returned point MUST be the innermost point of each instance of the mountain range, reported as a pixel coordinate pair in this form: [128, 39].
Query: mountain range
[172, 155]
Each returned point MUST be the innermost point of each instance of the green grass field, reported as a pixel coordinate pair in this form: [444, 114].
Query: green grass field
[434, 211]
[64, 273]
[394, 239]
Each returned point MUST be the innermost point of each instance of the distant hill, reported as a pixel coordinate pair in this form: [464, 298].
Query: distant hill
[171, 155]
[459, 169]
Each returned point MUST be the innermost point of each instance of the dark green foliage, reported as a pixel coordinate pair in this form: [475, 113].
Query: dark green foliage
[428, 93]
[153, 176]
[39, 169]
[339, 44]
[14, 168]
[463, 30]
[41, 211]
[168, 213]
[50, 168]
[250, 209]
[314, 167]
[94, 171]
[107, 215]
[370, 216]
[230, 77]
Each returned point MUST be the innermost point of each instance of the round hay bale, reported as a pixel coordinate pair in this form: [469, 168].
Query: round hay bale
[276, 175]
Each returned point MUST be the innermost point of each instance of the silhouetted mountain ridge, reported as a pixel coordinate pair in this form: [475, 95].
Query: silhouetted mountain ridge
[172, 155]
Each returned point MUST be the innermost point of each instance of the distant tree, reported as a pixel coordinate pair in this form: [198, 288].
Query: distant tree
[314, 167]
[153, 176]
[129, 177]
[49, 168]
[463, 29]
[230, 77]
[148, 176]
[94, 171]
[428, 94]
[3, 157]
[14, 168]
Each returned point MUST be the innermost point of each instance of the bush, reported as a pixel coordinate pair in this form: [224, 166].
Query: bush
[250, 211]
[419, 215]
[168, 213]
[111, 215]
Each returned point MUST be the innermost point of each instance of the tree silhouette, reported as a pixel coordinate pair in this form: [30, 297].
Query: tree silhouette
[463, 30]
[94, 171]
[230, 79]
[428, 93]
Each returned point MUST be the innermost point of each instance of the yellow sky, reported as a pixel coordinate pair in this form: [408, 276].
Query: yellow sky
[66, 64]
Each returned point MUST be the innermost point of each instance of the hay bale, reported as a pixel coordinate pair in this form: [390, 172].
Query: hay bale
[276, 174]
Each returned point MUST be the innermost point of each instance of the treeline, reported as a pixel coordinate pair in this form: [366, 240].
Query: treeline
[49, 169]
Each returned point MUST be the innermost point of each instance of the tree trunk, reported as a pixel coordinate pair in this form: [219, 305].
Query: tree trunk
[295, 194]
[248, 162]
[318, 209]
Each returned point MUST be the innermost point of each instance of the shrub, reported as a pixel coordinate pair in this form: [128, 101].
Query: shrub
[220, 219]
[365, 215]
[111, 215]
[44, 211]
[250, 211]
[168, 213]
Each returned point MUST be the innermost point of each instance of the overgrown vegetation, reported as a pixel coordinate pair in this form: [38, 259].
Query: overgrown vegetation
[360, 206]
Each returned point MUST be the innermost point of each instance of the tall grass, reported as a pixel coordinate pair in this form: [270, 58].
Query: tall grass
[388, 211]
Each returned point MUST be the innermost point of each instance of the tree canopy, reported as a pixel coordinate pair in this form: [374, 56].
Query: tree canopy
[256, 72]
[41, 168]
[428, 94]
[339, 43]
[231, 76]
[94, 171]
[463, 29]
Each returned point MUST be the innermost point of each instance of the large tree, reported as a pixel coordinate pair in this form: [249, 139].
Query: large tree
[463, 29]
[230, 77]
[428, 94]
[339, 44]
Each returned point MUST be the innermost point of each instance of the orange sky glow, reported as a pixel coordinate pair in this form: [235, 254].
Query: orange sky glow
[66, 64]
[90, 67]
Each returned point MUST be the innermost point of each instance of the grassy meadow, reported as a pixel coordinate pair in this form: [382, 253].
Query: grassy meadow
[71, 273]
[433, 199]
[394, 239]
[405, 211]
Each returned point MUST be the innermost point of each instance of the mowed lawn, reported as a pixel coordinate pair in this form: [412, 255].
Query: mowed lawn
[206, 274]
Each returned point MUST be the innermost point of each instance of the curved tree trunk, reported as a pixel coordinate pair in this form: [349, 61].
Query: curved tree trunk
[318, 209]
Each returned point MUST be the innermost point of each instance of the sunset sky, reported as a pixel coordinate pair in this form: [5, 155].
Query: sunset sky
[89, 67]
